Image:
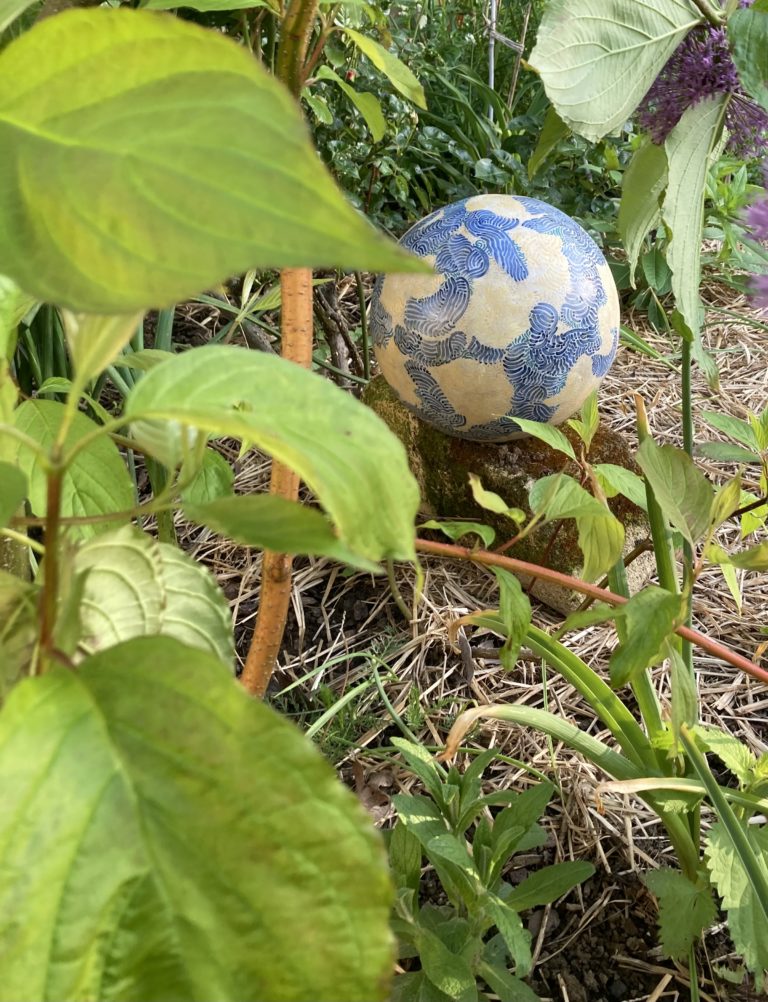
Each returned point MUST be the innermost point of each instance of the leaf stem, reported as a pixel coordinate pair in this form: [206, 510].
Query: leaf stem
[20, 537]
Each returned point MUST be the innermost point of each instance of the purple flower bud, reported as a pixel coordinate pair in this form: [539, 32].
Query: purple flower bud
[702, 67]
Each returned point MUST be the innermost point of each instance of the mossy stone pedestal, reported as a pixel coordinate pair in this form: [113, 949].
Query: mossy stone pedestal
[442, 464]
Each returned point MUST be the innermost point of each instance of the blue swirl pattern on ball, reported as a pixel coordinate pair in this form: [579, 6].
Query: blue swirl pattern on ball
[537, 363]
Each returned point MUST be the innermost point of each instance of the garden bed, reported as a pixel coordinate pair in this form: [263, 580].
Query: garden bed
[343, 626]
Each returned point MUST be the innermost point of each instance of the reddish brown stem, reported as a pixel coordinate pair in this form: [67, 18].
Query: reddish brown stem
[594, 591]
[296, 325]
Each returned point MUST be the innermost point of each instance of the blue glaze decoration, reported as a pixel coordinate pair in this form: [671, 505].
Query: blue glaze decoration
[537, 361]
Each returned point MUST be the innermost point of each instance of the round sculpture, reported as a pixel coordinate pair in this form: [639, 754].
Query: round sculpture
[520, 318]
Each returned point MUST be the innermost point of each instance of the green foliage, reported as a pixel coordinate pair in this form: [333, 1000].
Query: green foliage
[686, 909]
[478, 938]
[151, 745]
[161, 83]
[748, 35]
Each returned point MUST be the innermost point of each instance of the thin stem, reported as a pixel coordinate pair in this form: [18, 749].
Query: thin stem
[51, 566]
[294, 41]
[687, 393]
[20, 537]
[366, 350]
[709, 13]
[488, 559]
[662, 547]
[399, 600]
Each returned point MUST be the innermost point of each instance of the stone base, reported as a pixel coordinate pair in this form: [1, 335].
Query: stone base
[441, 465]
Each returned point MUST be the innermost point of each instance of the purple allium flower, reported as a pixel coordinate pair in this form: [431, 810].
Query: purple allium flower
[702, 67]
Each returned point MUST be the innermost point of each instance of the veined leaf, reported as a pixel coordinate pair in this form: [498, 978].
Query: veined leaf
[138, 587]
[492, 501]
[598, 63]
[688, 149]
[681, 489]
[345, 453]
[741, 431]
[398, 74]
[166, 195]
[616, 479]
[455, 530]
[650, 617]
[96, 482]
[18, 627]
[213, 480]
[641, 189]
[549, 884]
[132, 781]
[685, 909]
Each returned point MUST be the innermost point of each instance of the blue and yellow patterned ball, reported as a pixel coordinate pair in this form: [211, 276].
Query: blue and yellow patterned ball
[520, 319]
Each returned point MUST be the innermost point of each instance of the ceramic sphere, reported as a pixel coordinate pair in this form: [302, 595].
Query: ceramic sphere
[519, 319]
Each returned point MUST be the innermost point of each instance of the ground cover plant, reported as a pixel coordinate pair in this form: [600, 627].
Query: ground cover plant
[165, 834]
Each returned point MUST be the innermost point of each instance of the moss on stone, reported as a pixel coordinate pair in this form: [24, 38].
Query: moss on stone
[442, 464]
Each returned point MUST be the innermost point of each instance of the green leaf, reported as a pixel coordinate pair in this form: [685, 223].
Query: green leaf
[596, 68]
[398, 74]
[515, 611]
[405, 857]
[688, 148]
[650, 617]
[548, 434]
[448, 972]
[506, 985]
[96, 482]
[423, 764]
[587, 427]
[515, 936]
[270, 522]
[95, 341]
[682, 491]
[210, 5]
[747, 917]
[187, 196]
[346, 454]
[642, 186]
[685, 909]
[733, 753]
[748, 37]
[753, 559]
[618, 480]
[11, 9]
[456, 530]
[18, 627]
[149, 785]
[492, 502]
[601, 535]
[684, 693]
[741, 431]
[367, 104]
[137, 587]
[549, 884]
[552, 131]
[13, 305]
[726, 501]
[415, 987]
[13, 490]
[725, 452]
[214, 479]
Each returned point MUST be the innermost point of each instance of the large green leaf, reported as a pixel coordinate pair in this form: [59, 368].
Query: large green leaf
[748, 35]
[681, 489]
[145, 158]
[96, 482]
[138, 587]
[597, 59]
[346, 454]
[640, 209]
[688, 149]
[164, 836]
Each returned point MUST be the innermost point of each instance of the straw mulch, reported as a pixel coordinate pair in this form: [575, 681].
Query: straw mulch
[346, 636]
